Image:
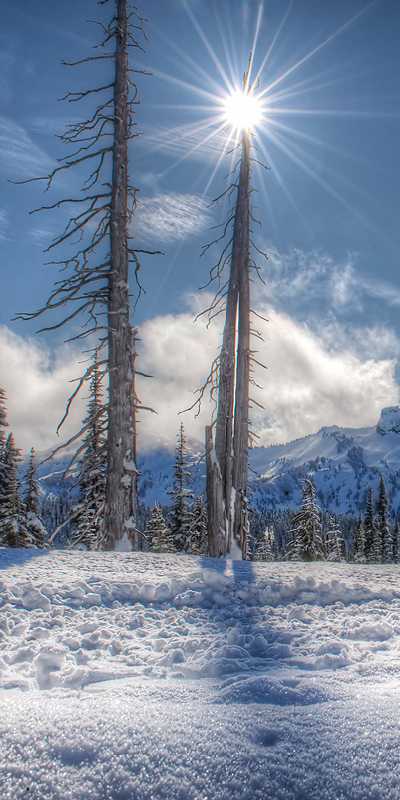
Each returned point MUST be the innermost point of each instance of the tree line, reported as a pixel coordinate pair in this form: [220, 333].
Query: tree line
[27, 517]
[312, 534]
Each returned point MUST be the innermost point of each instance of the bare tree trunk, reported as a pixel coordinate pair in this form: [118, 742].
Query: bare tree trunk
[231, 441]
[216, 515]
[241, 434]
[224, 424]
[121, 468]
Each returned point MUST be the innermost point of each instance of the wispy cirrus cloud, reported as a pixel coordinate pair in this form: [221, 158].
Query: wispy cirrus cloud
[20, 157]
[306, 276]
[3, 224]
[170, 217]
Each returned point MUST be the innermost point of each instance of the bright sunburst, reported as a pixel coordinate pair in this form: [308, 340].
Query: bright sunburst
[243, 110]
[262, 102]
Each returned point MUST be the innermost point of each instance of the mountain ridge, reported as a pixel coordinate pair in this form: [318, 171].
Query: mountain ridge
[342, 462]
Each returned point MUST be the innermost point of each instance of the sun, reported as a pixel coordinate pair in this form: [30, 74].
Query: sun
[243, 110]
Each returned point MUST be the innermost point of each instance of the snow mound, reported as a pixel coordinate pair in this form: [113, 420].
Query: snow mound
[264, 690]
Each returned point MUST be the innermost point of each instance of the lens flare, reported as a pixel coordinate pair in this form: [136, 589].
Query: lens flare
[243, 110]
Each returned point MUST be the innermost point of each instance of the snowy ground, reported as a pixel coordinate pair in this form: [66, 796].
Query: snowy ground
[139, 677]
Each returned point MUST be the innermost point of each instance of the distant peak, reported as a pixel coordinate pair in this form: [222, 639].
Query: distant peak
[389, 421]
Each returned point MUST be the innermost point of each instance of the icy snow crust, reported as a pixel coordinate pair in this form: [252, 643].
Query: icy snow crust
[126, 676]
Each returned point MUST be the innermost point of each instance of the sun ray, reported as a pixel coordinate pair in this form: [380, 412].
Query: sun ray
[221, 156]
[225, 107]
[300, 162]
[210, 50]
[200, 71]
[317, 49]
[272, 45]
[196, 147]
[274, 166]
[257, 28]
[306, 137]
[191, 87]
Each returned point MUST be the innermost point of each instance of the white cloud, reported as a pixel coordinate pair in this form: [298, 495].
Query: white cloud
[308, 383]
[307, 276]
[3, 224]
[313, 379]
[170, 217]
[37, 386]
[20, 156]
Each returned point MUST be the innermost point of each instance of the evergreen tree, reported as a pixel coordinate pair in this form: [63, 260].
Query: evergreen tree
[369, 526]
[158, 535]
[181, 515]
[334, 541]
[3, 424]
[87, 515]
[396, 543]
[306, 544]
[359, 543]
[376, 553]
[382, 523]
[198, 533]
[13, 531]
[3, 418]
[34, 524]
[56, 514]
[263, 550]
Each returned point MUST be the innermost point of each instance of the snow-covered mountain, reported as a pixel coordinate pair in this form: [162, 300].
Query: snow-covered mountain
[342, 462]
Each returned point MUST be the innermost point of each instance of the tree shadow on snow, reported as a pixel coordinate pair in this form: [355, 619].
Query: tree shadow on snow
[10, 556]
[242, 570]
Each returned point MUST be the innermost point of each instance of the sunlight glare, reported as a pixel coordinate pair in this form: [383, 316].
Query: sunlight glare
[243, 110]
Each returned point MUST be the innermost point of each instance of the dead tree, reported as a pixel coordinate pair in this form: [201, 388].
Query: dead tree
[95, 279]
[231, 437]
[230, 376]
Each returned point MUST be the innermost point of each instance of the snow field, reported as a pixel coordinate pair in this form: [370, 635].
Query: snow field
[132, 616]
[131, 675]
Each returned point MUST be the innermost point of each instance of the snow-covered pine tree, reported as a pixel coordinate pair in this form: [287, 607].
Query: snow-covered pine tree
[334, 541]
[198, 532]
[88, 513]
[263, 550]
[375, 556]
[181, 513]
[55, 512]
[34, 524]
[396, 543]
[3, 424]
[3, 418]
[382, 523]
[13, 531]
[306, 544]
[359, 543]
[157, 533]
[369, 525]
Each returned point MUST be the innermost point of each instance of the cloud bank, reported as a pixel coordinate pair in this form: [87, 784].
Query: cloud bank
[37, 385]
[307, 384]
[313, 378]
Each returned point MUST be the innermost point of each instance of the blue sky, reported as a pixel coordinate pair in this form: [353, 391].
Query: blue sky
[328, 204]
